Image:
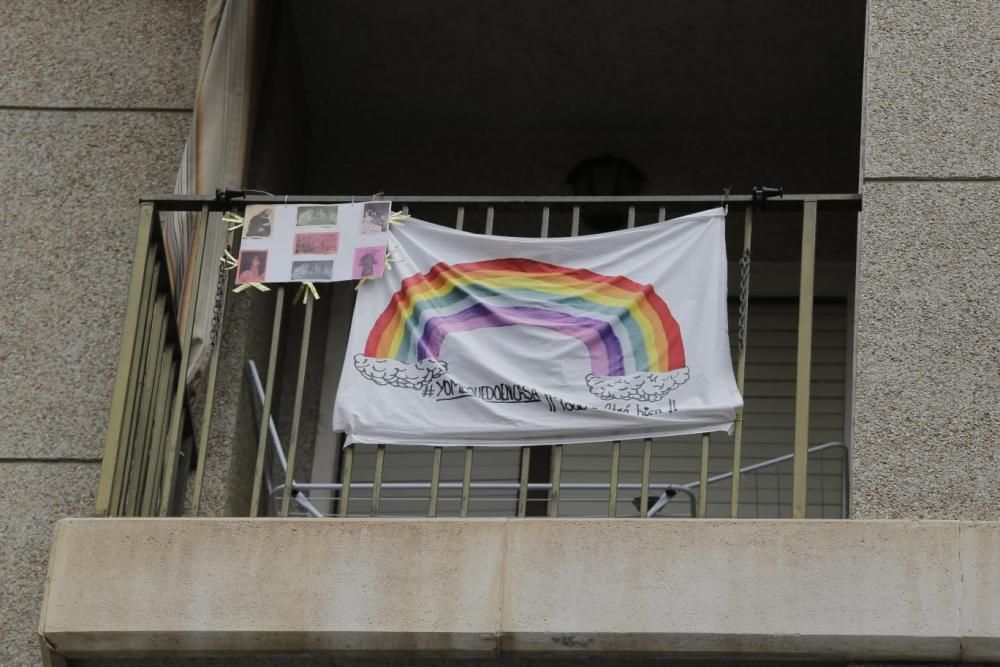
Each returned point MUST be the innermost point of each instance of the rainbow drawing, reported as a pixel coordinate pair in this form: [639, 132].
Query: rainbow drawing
[626, 328]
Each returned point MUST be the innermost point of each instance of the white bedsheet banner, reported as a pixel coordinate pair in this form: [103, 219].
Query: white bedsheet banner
[491, 340]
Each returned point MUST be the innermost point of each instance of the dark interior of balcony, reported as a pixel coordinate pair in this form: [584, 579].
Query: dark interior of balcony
[530, 98]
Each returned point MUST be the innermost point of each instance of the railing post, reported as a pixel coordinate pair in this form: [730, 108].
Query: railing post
[741, 358]
[154, 460]
[463, 507]
[300, 382]
[213, 366]
[186, 324]
[522, 488]
[116, 423]
[432, 505]
[346, 470]
[265, 413]
[556, 477]
[377, 481]
[141, 444]
[134, 403]
[647, 461]
[800, 463]
[616, 450]
[706, 443]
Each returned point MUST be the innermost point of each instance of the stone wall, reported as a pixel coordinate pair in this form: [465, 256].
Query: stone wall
[927, 428]
[95, 105]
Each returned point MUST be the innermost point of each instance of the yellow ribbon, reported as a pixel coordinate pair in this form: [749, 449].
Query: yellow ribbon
[229, 260]
[390, 258]
[233, 218]
[257, 286]
[303, 288]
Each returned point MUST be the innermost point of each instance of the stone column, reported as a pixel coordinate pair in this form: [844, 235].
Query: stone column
[927, 422]
[95, 105]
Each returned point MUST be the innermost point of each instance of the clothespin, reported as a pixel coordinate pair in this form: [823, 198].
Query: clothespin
[398, 218]
[233, 218]
[724, 204]
[257, 286]
[361, 282]
[229, 261]
[377, 195]
[305, 287]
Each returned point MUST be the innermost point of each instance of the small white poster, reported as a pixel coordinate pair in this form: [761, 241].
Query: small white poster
[314, 243]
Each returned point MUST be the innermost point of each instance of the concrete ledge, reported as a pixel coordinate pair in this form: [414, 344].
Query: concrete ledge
[858, 590]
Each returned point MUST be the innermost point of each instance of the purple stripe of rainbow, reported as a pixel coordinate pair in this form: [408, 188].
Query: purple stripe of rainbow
[598, 337]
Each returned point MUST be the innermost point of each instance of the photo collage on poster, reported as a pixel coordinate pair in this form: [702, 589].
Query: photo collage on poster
[315, 243]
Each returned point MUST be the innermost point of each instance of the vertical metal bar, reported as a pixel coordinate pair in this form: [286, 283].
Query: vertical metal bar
[822, 485]
[432, 507]
[525, 478]
[148, 484]
[803, 361]
[133, 506]
[151, 366]
[460, 218]
[134, 402]
[777, 476]
[741, 359]
[125, 352]
[756, 494]
[556, 476]
[522, 490]
[180, 392]
[377, 481]
[845, 488]
[265, 413]
[616, 451]
[703, 485]
[661, 214]
[630, 223]
[647, 460]
[489, 221]
[463, 509]
[300, 381]
[346, 469]
[155, 471]
[206, 416]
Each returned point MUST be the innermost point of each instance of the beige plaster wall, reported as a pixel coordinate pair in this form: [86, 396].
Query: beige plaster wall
[95, 102]
[927, 428]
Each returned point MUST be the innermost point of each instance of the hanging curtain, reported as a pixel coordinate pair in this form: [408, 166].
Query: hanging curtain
[215, 156]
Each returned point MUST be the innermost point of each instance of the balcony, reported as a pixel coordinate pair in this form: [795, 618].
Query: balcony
[525, 551]
[789, 317]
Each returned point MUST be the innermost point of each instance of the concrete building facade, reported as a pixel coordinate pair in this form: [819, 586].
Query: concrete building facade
[96, 101]
[926, 292]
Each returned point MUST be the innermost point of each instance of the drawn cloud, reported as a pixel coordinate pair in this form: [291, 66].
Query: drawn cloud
[640, 386]
[398, 373]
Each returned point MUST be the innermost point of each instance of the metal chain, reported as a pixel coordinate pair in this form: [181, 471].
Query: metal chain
[744, 298]
[220, 292]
